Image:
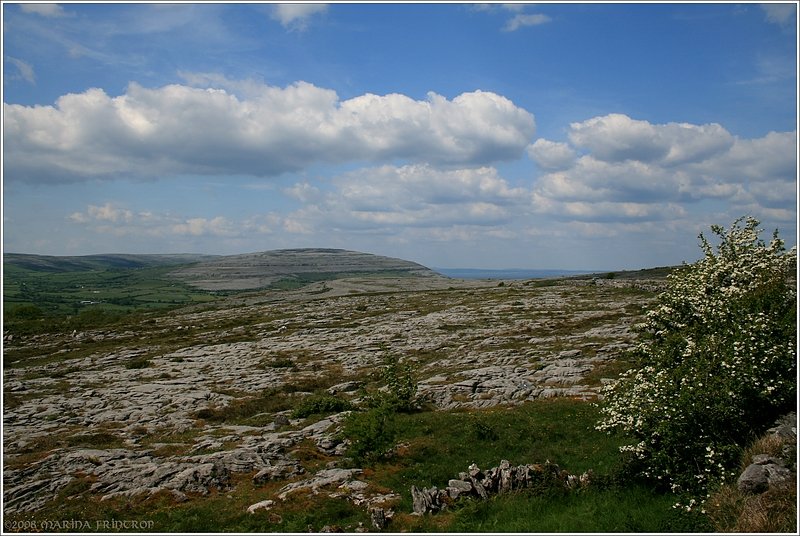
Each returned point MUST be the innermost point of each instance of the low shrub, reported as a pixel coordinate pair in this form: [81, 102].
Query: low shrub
[400, 391]
[372, 434]
[326, 404]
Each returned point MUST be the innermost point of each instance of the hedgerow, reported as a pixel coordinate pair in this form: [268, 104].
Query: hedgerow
[715, 366]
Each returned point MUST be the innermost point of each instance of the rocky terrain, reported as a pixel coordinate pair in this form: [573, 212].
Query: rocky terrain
[188, 402]
[259, 270]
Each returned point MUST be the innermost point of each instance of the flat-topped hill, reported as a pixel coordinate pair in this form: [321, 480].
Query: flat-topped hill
[111, 261]
[292, 267]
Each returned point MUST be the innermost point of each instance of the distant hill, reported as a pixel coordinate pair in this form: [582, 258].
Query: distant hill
[83, 263]
[291, 268]
[37, 285]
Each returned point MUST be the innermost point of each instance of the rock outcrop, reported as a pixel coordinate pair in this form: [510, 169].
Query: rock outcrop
[497, 480]
[259, 270]
[767, 471]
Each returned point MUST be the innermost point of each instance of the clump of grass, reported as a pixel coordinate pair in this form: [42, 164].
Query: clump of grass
[321, 404]
[278, 362]
[100, 440]
[769, 444]
[138, 363]
[775, 510]
[75, 487]
[309, 385]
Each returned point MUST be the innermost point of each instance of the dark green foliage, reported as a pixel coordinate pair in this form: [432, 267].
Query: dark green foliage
[372, 434]
[23, 312]
[138, 363]
[482, 431]
[717, 365]
[254, 411]
[400, 392]
[278, 362]
[322, 404]
[99, 440]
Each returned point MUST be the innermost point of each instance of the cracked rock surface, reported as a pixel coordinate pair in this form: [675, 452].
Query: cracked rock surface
[132, 411]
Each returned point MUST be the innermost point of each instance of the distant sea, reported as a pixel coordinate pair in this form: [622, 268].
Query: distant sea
[477, 273]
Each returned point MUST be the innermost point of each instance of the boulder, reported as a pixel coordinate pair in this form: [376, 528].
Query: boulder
[456, 488]
[754, 479]
[278, 470]
[427, 499]
[323, 478]
[263, 505]
[378, 518]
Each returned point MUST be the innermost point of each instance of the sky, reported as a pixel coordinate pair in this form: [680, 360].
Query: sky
[543, 136]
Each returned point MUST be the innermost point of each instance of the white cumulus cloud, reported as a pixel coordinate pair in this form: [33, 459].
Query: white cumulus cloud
[413, 196]
[105, 213]
[634, 170]
[113, 219]
[617, 137]
[179, 129]
[551, 155]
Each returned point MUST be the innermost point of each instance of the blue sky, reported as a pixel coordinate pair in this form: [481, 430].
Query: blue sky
[571, 136]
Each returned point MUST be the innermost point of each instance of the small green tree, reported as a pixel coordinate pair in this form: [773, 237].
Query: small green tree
[372, 432]
[716, 365]
[400, 391]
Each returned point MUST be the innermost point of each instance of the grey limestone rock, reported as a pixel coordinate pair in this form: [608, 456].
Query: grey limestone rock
[456, 488]
[754, 479]
[262, 505]
[758, 477]
[278, 470]
[427, 499]
[323, 478]
[765, 470]
[501, 479]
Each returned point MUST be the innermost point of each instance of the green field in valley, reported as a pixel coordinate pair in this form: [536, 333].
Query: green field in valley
[32, 296]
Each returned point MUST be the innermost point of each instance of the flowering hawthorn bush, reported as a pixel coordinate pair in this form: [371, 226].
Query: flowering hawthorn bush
[716, 363]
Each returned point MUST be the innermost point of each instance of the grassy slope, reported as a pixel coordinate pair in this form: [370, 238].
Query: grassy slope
[30, 294]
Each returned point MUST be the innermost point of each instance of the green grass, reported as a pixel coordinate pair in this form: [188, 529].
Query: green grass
[439, 445]
[36, 301]
[259, 410]
[630, 509]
